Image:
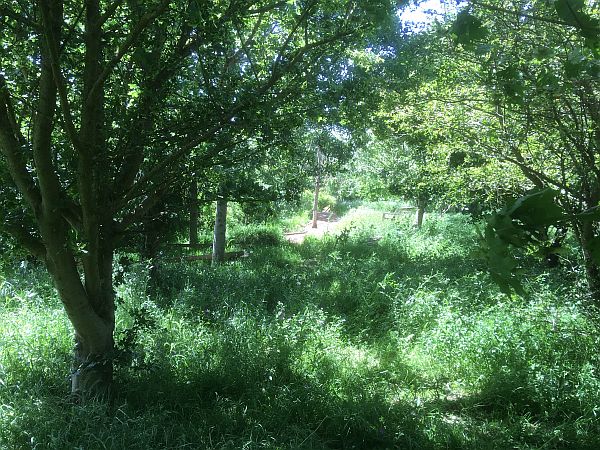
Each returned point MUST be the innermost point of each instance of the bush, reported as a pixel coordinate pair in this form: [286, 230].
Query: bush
[255, 236]
[325, 200]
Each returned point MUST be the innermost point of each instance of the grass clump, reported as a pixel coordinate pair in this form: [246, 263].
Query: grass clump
[250, 236]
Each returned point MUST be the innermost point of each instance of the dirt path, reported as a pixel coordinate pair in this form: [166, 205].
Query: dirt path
[327, 222]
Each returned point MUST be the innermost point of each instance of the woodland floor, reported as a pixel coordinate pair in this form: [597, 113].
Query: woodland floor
[327, 222]
[377, 336]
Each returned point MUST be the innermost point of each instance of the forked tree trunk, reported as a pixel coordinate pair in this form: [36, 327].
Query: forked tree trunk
[92, 373]
[89, 306]
[218, 253]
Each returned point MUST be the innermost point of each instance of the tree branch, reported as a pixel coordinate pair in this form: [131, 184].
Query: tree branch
[71, 30]
[147, 204]
[301, 19]
[243, 45]
[12, 149]
[33, 244]
[267, 8]
[110, 11]
[6, 11]
[50, 31]
[276, 75]
[143, 23]
[525, 15]
[154, 92]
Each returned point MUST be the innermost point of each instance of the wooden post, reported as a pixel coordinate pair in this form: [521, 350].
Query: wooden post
[317, 189]
[420, 213]
[194, 212]
[218, 254]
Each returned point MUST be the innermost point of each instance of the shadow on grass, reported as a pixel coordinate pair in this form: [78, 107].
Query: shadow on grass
[488, 420]
[298, 367]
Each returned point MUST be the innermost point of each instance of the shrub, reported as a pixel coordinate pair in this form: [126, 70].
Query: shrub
[255, 236]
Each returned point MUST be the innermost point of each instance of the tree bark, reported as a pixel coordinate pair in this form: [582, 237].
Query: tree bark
[218, 253]
[316, 200]
[194, 212]
[592, 270]
[420, 213]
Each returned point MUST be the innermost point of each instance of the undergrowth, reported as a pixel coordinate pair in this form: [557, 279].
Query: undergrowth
[380, 336]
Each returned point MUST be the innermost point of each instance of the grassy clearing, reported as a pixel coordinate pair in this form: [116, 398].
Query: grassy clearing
[379, 337]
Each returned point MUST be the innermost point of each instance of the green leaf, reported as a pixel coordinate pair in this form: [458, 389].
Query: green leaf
[569, 10]
[537, 209]
[483, 49]
[501, 263]
[502, 226]
[590, 214]
[574, 70]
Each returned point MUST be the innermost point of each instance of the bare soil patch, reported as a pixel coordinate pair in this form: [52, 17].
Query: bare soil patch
[327, 222]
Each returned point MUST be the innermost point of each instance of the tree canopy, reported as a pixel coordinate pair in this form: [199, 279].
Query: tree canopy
[103, 106]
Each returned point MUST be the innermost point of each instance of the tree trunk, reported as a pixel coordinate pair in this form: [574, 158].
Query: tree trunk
[420, 213]
[150, 250]
[90, 308]
[89, 304]
[316, 200]
[92, 371]
[592, 271]
[218, 253]
[194, 212]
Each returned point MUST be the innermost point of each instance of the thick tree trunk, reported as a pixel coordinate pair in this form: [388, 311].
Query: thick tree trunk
[316, 200]
[92, 372]
[194, 212]
[91, 311]
[218, 253]
[592, 270]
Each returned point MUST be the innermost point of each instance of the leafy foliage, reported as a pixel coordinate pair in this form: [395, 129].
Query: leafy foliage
[525, 223]
[467, 28]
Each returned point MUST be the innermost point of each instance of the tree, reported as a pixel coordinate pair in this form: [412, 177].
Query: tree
[519, 82]
[330, 151]
[417, 147]
[539, 65]
[99, 106]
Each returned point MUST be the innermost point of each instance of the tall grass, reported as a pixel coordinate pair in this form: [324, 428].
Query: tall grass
[381, 336]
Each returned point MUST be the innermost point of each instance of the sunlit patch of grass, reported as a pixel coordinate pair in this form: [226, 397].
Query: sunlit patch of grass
[34, 344]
